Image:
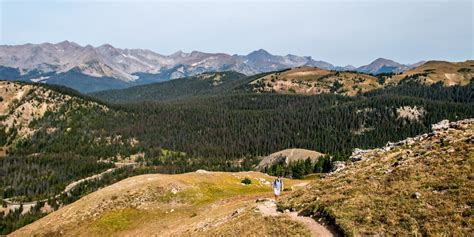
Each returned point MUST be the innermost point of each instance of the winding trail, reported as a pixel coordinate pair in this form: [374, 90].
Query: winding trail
[269, 208]
[11, 205]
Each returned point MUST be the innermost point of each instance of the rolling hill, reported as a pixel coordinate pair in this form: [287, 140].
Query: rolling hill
[448, 73]
[299, 80]
[57, 137]
[201, 203]
[311, 81]
[289, 155]
[420, 185]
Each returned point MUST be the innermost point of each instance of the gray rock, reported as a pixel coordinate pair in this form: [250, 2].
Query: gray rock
[338, 166]
[416, 195]
[442, 125]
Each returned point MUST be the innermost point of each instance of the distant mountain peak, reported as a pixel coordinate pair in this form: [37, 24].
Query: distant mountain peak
[259, 53]
[178, 53]
[384, 61]
[108, 46]
[125, 64]
[382, 65]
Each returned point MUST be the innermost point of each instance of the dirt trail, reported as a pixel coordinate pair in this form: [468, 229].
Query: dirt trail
[12, 205]
[269, 208]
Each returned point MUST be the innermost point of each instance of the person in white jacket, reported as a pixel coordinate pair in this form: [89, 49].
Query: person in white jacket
[277, 187]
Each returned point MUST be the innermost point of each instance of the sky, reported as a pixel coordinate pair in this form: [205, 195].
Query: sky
[341, 32]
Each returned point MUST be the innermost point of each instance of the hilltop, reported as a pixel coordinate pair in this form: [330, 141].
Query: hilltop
[448, 73]
[200, 203]
[421, 185]
[288, 156]
[311, 81]
[23, 105]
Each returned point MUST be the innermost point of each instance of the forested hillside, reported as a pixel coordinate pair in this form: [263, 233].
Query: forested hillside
[225, 132]
[76, 136]
[300, 80]
[203, 84]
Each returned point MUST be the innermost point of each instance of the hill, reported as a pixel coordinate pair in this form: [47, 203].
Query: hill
[23, 105]
[200, 203]
[203, 84]
[289, 155]
[78, 137]
[447, 73]
[311, 81]
[421, 186]
[300, 80]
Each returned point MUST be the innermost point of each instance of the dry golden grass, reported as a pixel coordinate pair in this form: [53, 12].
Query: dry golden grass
[251, 223]
[199, 203]
[426, 188]
[457, 73]
[311, 81]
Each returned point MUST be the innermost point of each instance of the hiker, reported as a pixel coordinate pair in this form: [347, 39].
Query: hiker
[277, 187]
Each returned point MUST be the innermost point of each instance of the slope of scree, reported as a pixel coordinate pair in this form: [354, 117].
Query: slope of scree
[421, 185]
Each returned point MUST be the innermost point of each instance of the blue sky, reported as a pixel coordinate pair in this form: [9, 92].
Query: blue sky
[340, 32]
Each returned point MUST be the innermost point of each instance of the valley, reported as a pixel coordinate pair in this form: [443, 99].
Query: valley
[60, 147]
[236, 118]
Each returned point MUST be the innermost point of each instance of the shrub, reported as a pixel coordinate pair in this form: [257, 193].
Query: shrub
[246, 181]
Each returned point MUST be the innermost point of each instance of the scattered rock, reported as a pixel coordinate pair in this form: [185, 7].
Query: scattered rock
[442, 125]
[261, 200]
[416, 195]
[202, 171]
[338, 166]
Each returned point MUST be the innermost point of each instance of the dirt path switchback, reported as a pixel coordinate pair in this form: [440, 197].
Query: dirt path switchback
[268, 208]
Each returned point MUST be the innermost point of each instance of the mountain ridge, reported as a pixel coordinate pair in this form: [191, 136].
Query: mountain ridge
[125, 65]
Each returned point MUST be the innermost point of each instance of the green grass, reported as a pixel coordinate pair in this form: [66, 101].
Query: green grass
[119, 220]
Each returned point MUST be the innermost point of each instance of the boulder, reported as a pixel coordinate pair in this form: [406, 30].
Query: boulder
[442, 125]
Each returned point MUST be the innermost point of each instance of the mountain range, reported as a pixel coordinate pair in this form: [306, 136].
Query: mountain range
[88, 68]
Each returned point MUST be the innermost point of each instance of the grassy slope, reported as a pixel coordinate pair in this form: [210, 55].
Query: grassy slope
[424, 188]
[311, 81]
[450, 73]
[185, 204]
